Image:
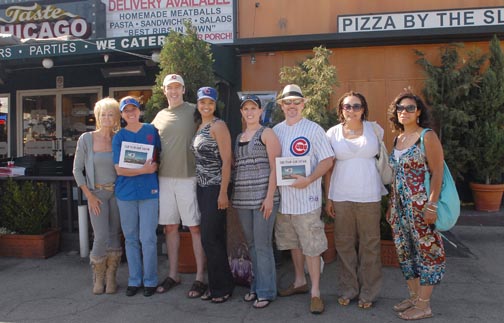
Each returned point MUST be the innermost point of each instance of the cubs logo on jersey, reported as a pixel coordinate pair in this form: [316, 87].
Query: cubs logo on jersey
[300, 146]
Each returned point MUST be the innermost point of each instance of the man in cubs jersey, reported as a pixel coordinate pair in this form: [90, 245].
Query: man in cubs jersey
[299, 227]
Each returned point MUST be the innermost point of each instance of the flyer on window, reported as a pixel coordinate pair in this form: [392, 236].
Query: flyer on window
[286, 167]
[134, 155]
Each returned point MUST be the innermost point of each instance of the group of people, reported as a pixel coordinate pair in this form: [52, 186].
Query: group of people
[188, 181]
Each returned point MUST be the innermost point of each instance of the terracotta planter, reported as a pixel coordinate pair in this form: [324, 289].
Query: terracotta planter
[487, 197]
[187, 261]
[388, 254]
[30, 246]
[330, 254]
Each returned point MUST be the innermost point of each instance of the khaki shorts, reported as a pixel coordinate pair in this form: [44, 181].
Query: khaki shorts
[301, 231]
[177, 201]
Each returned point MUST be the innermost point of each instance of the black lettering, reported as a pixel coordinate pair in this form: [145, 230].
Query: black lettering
[441, 16]
[468, 18]
[489, 18]
[422, 19]
[347, 22]
[409, 21]
[377, 21]
[389, 22]
[363, 26]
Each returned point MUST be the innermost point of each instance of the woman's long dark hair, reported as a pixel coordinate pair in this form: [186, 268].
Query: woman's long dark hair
[424, 120]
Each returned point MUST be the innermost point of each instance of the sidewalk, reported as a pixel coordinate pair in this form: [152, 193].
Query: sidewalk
[59, 290]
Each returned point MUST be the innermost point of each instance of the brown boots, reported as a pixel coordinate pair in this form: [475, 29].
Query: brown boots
[99, 266]
[104, 272]
[113, 261]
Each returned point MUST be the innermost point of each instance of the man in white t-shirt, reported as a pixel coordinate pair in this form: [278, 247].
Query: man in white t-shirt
[298, 225]
[177, 182]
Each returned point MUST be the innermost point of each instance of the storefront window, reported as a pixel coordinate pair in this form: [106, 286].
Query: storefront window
[39, 124]
[78, 118]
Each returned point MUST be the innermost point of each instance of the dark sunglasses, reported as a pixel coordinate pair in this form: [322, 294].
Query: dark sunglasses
[410, 108]
[295, 101]
[349, 107]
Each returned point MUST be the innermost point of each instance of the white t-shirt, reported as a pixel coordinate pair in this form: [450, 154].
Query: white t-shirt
[305, 138]
[355, 176]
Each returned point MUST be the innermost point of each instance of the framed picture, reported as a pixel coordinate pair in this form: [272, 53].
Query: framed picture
[287, 167]
[134, 155]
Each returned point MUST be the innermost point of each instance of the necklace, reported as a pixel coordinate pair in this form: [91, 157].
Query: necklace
[248, 134]
[405, 136]
[353, 132]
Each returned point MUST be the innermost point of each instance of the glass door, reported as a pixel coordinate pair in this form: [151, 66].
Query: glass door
[52, 121]
[4, 126]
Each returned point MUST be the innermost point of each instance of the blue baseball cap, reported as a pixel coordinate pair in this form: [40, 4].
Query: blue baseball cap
[207, 93]
[252, 98]
[129, 101]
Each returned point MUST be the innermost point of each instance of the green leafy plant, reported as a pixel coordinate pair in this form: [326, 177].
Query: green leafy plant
[26, 207]
[486, 137]
[187, 55]
[448, 88]
[316, 77]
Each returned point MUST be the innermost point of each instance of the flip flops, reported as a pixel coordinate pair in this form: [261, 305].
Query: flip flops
[261, 303]
[167, 284]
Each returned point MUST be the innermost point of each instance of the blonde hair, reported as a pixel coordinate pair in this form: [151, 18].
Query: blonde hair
[107, 104]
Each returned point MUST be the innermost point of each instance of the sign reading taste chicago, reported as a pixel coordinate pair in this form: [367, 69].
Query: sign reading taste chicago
[42, 22]
[421, 20]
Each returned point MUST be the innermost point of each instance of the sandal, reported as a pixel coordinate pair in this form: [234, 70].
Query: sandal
[343, 300]
[197, 289]
[364, 304]
[250, 296]
[220, 300]
[167, 284]
[417, 313]
[261, 303]
[404, 304]
[206, 296]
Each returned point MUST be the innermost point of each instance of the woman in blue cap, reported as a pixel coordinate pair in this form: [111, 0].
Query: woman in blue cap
[212, 149]
[137, 194]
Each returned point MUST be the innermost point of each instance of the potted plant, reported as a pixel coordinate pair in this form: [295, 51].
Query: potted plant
[27, 213]
[486, 137]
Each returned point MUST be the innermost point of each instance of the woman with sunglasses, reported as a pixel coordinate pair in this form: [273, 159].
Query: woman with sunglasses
[353, 190]
[412, 213]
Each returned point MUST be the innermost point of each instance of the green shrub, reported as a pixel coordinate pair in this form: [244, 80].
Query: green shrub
[26, 207]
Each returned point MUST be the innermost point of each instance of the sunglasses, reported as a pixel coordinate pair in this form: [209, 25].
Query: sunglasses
[295, 102]
[410, 108]
[349, 107]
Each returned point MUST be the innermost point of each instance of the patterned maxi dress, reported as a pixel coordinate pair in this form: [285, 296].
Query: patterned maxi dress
[419, 247]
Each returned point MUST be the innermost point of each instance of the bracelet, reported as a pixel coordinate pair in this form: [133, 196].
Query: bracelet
[432, 210]
[434, 205]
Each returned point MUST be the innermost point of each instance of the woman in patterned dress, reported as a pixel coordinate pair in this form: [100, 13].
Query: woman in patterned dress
[212, 149]
[412, 213]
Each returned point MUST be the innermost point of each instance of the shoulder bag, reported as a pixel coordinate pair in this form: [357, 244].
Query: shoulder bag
[386, 172]
[448, 209]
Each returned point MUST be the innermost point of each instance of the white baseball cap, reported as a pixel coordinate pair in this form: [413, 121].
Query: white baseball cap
[171, 78]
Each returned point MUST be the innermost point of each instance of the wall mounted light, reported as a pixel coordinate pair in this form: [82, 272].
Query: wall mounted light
[123, 71]
[155, 57]
[252, 59]
[47, 63]
[106, 58]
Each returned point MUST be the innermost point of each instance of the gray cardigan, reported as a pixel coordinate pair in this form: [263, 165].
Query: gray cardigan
[83, 159]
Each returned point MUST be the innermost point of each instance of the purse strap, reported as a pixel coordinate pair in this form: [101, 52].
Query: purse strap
[380, 141]
[422, 146]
